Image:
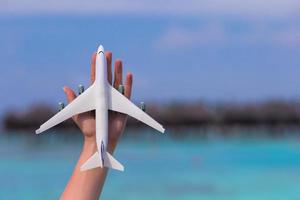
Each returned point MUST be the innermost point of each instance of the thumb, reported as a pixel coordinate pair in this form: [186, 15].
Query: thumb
[69, 93]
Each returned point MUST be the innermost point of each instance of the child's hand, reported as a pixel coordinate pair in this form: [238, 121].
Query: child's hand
[117, 121]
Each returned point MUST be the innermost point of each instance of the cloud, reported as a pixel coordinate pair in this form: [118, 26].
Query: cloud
[220, 34]
[253, 8]
[179, 37]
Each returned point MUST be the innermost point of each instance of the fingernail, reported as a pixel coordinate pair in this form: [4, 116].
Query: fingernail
[64, 89]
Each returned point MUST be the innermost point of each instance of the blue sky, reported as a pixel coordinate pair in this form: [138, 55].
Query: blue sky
[210, 50]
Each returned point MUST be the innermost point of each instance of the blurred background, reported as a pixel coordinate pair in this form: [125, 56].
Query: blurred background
[222, 76]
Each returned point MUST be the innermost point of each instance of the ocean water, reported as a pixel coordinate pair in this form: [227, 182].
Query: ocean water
[156, 167]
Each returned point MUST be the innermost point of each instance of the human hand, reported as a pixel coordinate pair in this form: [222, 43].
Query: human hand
[116, 121]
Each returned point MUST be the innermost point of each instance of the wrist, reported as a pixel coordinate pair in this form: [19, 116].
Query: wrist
[89, 146]
[89, 139]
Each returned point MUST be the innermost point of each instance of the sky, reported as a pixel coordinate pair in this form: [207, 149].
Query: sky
[206, 50]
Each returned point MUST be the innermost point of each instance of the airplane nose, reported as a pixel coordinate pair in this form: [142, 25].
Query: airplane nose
[100, 49]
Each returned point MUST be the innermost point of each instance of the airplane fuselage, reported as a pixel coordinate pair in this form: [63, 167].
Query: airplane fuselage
[101, 103]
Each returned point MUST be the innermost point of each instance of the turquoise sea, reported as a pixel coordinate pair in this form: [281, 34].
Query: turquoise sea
[156, 167]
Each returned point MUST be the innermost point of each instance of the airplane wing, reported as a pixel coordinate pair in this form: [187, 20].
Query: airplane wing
[83, 103]
[118, 102]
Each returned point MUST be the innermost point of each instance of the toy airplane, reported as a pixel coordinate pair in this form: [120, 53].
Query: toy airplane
[101, 97]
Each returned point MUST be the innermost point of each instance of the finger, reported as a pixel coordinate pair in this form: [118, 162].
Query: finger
[70, 97]
[128, 85]
[108, 56]
[118, 73]
[69, 93]
[93, 67]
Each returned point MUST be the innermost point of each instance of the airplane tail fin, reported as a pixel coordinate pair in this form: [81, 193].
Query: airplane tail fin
[97, 161]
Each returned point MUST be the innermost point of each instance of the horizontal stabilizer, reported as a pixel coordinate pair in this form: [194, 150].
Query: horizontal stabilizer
[93, 162]
[111, 162]
[96, 161]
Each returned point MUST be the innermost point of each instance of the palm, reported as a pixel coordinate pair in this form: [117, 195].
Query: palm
[116, 121]
[116, 125]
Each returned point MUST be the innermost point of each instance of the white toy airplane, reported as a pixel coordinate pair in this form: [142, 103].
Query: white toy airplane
[101, 96]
